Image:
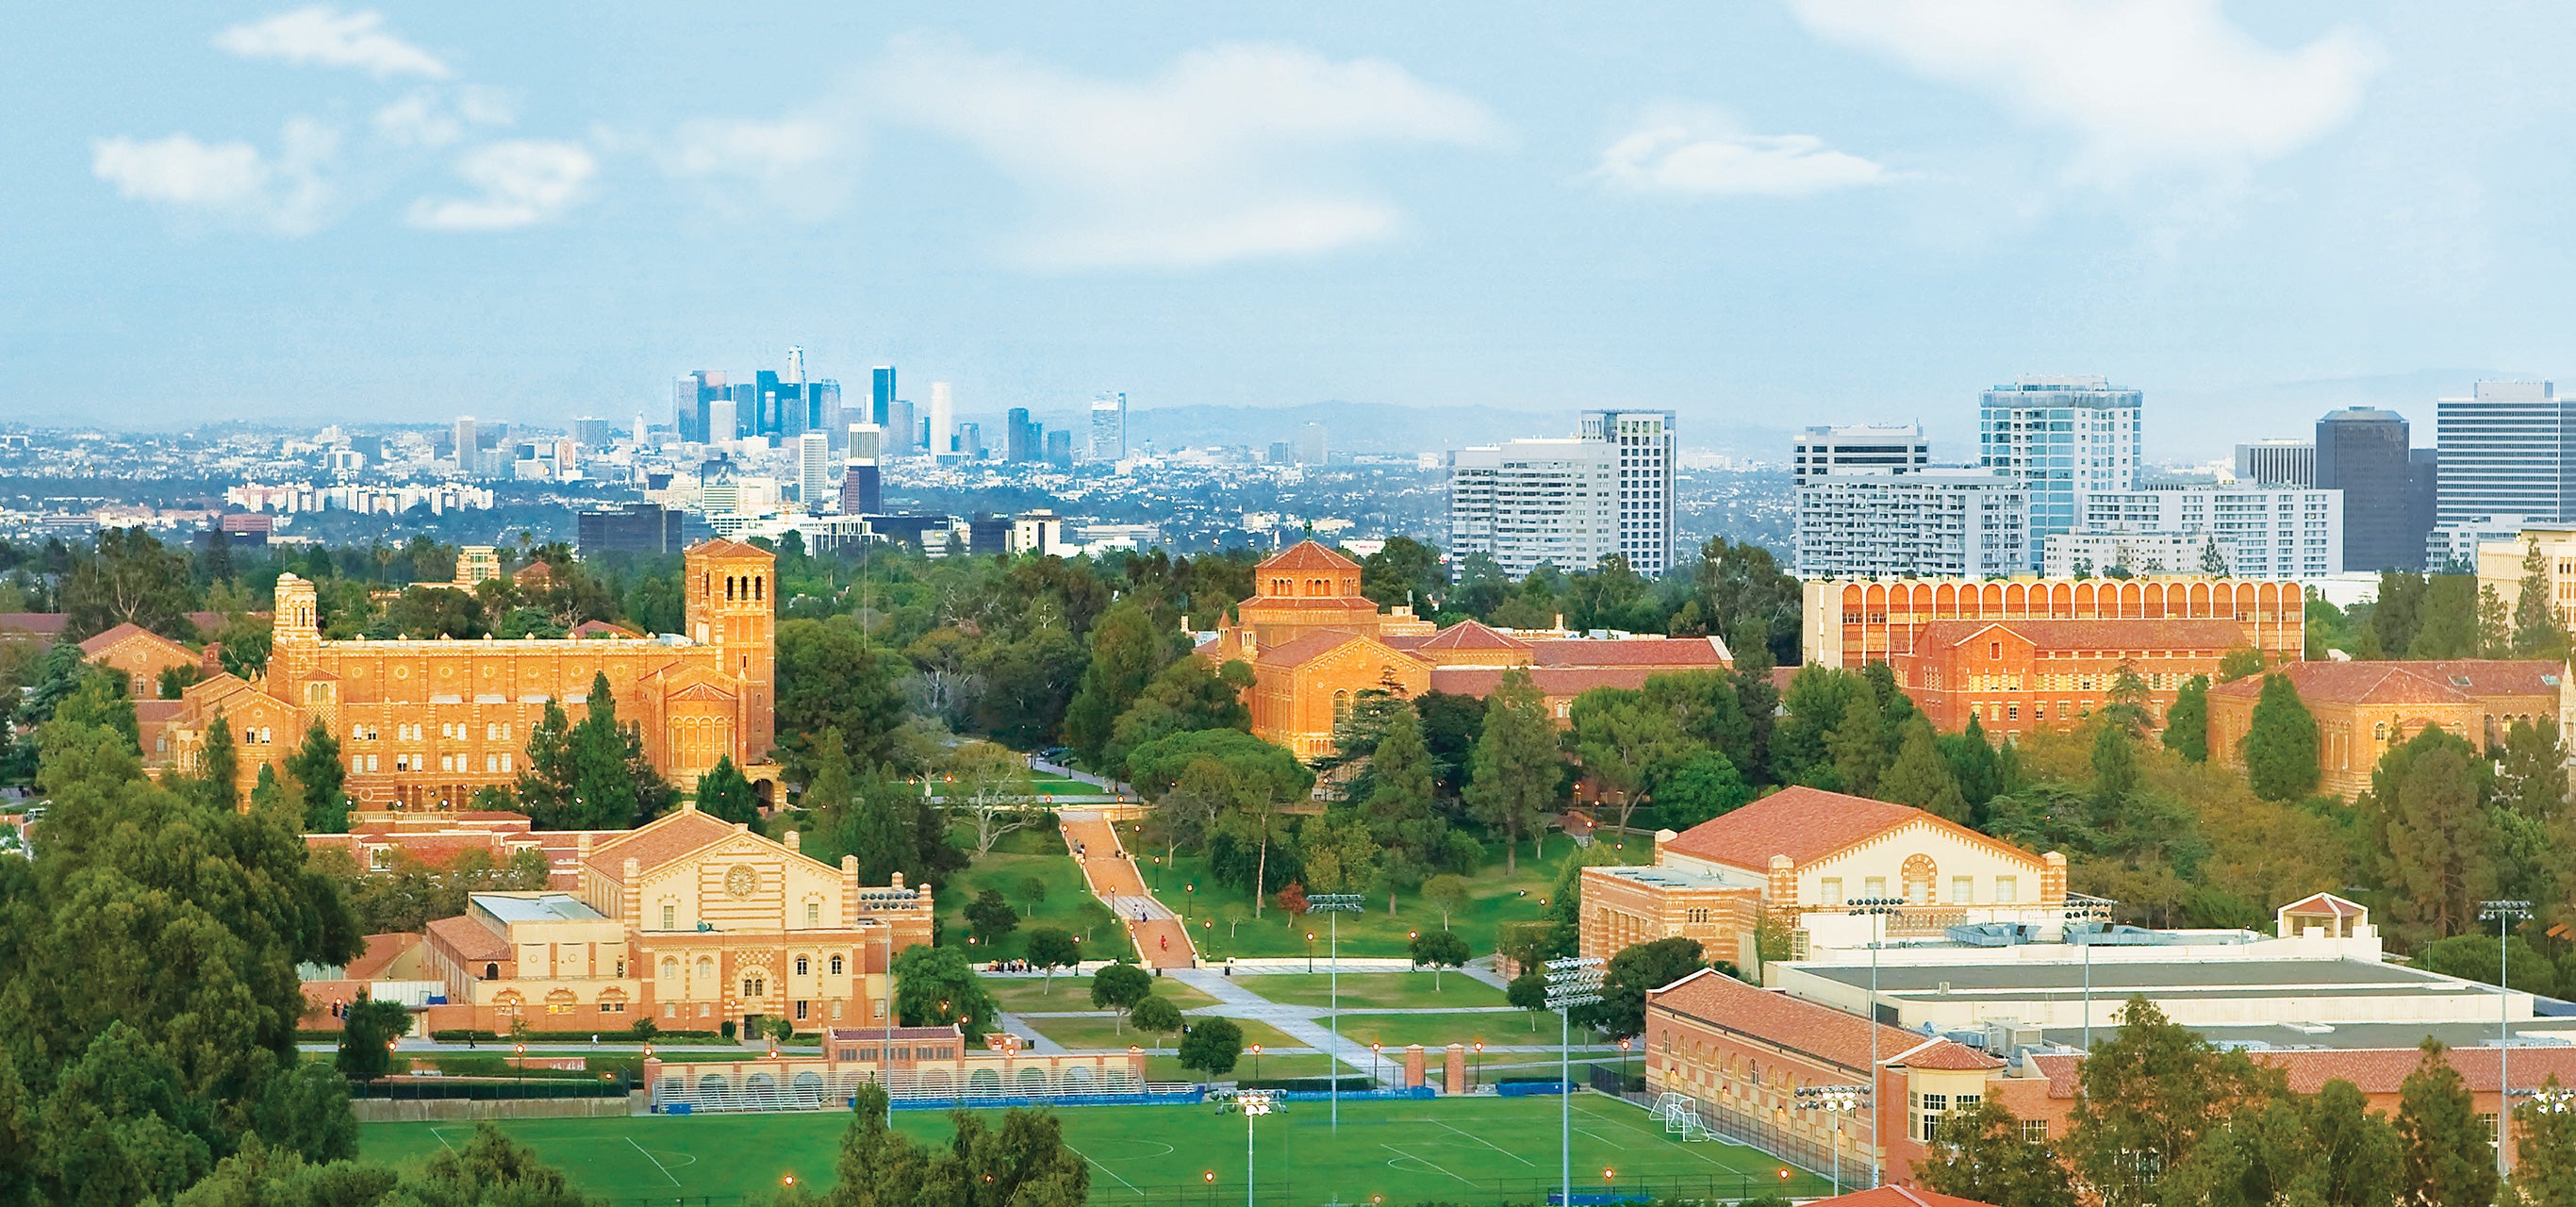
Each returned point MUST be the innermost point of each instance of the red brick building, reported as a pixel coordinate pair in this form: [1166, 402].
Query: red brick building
[1852, 623]
[2363, 708]
[2016, 676]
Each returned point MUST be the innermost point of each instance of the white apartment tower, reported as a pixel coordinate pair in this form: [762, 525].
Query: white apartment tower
[2279, 532]
[1647, 452]
[2509, 448]
[1822, 451]
[1108, 428]
[813, 470]
[943, 420]
[1532, 503]
[1930, 523]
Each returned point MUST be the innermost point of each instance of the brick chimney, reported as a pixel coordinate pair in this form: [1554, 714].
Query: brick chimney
[794, 844]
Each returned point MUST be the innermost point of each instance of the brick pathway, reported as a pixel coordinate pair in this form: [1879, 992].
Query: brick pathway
[1161, 940]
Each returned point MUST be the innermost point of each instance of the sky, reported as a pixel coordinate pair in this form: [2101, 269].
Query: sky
[1757, 214]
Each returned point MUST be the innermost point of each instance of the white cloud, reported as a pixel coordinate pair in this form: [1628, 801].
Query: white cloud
[230, 181]
[327, 37]
[1704, 154]
[800, 164]
[1231, 152]
[523, 182]
[2147, 84]
[432, 117]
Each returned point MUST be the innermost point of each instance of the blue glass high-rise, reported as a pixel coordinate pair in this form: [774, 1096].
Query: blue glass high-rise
[2063, 438]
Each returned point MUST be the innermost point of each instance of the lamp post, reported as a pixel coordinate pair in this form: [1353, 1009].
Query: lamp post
[1310, 953]
[1877, 909]
[1479, 1079]
[2505, 913]
[1256, 1062]
[1840, 1100]
[1189, 893]
[1623, 1064]
[1254, 1103]
[1376, 1064]
[1335, 904]
[1571, 981]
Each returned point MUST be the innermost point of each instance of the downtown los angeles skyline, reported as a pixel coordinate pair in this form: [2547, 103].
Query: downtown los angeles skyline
[1825, 211]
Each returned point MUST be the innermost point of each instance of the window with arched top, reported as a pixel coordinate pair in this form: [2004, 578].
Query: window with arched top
[802, 968]
[670, 968]
[1341, 706]
[491, 972]
[836, 965]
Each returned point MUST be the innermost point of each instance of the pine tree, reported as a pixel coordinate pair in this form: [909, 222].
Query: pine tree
[1516, 769]
[546, 786]
[2115, 766]
[603, 788]
[2448, 1157]
[2449, 619]
[725, 795]
[2281, 743]
[2187, 725]
[1974, 764]
[1399, 808]
[827, 791]
[2536, 631]
[2544, 1155]
[2429, 799]
[219, 765]
[316, 766]
[270, 798]
[1921, 777]
[1858, 744]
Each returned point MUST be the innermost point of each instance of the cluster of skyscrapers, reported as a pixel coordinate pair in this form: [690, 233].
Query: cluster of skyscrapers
[1570, 502]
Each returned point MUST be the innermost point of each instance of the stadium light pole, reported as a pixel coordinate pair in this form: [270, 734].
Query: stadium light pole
[1571, 981]
[1254, 1103]
[1878, 910]
[1839, 1100]
[1335, 904]
[2091, 909]
[2505, 913]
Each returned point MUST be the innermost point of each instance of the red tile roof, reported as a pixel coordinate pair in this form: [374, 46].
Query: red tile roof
[41, 624]
[2449, 681]
[2107, 635]
[2371, 1070]
[1949, 1054]
[381, 951]
[2324, 903]
[1471, 635]
[1896, 1196]
[720, 547]
[469, 939]
[1549, 680]
[1671, 653]
[1306, 648]
[108, 640]
[660, 841]
[1819, 1032]
[1805, 824]
[1307, 555]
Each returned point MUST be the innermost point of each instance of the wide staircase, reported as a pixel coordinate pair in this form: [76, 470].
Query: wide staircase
[1161, 940]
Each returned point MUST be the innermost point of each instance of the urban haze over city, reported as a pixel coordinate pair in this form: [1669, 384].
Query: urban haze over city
[1881, 600]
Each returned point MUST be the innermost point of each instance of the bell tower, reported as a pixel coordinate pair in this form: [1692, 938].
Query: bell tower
[731, 603]
[295, 634]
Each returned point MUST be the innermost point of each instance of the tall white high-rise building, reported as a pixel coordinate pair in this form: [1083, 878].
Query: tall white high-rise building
[813, 469]
[1878, 523]
[1822, 451]
[2509, 448]
[1648, 455]
[723, 421]
[2063, 438]
[1108, 428]
[861, 489]
[795, 374]
[466, 437]
[1532, 503]
[1310, 445]
[943, 420]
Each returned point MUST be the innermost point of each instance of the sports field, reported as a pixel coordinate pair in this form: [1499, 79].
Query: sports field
[1468, 1151]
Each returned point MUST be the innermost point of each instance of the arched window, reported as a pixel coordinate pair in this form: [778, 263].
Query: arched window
[670, 968]
[836, 965]
[1341, 707]
[760, 586]
[801, 967]
[491, 972]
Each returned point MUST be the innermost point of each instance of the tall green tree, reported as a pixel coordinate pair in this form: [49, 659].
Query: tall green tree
[2447, 1157]
[1974, 765]
[315, 767]
[2536, 631]
[1815, 700]
[1984, 1158]
[724, 794]
[1212, 1046]
[1633, 972]
[1404, 572]
[1858, 744]
[2428, 798]
[1921, 777]
[1517, 771]
[1128, 648]
[368, 1029]
[545, 785]
[1621, 742]
[936, 986]
[219, 765]
[2281, 743]
[2150, 1094]
[830, 677]
[130, 578]
[2187, 724]
[2450, 620]
[2398, 613]
[1399, 809]
[2115, 765]
[2544, 1153]
[604, 785]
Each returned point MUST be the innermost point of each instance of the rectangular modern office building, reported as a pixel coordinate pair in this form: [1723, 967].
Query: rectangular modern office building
[1648, 455]
[1822, 451]
[2508, 448]
[2388, 487]
[1532, 503]
[1930, 523]
[2062, 438]
[2277, 463]
[2281, 532]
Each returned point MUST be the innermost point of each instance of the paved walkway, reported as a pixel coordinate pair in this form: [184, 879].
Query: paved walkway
[1161, 940]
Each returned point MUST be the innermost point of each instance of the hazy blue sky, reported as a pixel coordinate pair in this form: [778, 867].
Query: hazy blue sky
[1755, 213]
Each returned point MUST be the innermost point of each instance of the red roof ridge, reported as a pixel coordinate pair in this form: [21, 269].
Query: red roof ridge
[1307, 554]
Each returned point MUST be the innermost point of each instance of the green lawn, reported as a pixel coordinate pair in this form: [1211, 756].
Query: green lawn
[1469, 1151]
[1021, 855]
[1381, 990]
[1086, 1033]
[1441, 1030]
[1494, 898]
[1024, 995]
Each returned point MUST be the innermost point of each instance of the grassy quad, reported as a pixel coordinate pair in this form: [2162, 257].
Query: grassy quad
[1493, 899]
[1495, 1027]
[1034, 852]
[1376, 990]
[1027, 995]
[1091, 1033]
[1469, 1151]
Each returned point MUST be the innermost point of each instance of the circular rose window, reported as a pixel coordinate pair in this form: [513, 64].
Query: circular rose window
[742, 881]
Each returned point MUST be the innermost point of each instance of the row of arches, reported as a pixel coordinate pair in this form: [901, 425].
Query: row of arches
[2110, 599]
